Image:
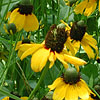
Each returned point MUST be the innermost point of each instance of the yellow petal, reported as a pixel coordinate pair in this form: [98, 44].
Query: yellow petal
[88, 49]
[31, 23]
[71, 93]
[8, 14]
[82, 90]
[70, 46]
[39, 59]
[90, 7]
[80, 7]
[90, 38]
[74, 60]
[25, 46]
[6, 98]
[30, 50]
[18, 44]
[77, 67]
[56, 83]
[20, 53]
[59, 92]
[91, 41]
[17, 18]
[24, 98]
[99, 5]
[52, 59]
[60, 57]
[76, 45]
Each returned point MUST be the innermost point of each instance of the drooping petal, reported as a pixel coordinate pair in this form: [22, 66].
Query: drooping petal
[91, 41]
[8, 14]
[60, 57]
[17, 18]
[90, 7]
[20, 53]
[25, 46]
[88, 49]
[59, 92]
[80, 7]
[71, 93]
[30, 50]
[76, 45]
[99, 5]
[31, 23]
[82, 90]
[70, 46]
[52, 59]
[6, 98]
[18, 44]
[39, 59]
[56, 83]
[74, 60]
[24, 98]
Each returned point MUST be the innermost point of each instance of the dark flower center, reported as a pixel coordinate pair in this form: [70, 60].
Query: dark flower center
[77, 31]
[26, 41]
[25, 9]
[71, 76]
[55, 38]
[94, 97]
[98, 60]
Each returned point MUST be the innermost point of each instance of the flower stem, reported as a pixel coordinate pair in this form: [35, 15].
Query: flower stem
[8, 94]
[40, 81]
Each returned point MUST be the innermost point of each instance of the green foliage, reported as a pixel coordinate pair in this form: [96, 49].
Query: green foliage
[16, 76]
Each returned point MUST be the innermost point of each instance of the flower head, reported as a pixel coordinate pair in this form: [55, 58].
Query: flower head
[70, 86]
[51, 49]
[80, 37]
[23, 17]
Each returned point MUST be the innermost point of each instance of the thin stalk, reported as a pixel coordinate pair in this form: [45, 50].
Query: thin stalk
[58, 7]
[31, 96]
[6, 11]
[53, 8]
[7, 3]
[8, 94]
[25, 80]
[10, 58]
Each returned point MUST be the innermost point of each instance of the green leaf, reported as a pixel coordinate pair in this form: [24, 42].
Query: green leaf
[91, 81]
[90, 69]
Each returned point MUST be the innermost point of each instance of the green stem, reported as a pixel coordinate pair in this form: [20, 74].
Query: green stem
[6, 11]
[7, 3]
[40, 81]
[8, 94]
[10, 58]
[25, 79]
[53, 8]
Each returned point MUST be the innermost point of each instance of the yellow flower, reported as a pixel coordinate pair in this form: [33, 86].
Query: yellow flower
[51, 49]
[7, 98]
[70, 87]
[23, 17]
[24, 41]
[86, 7]
[80, 37]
